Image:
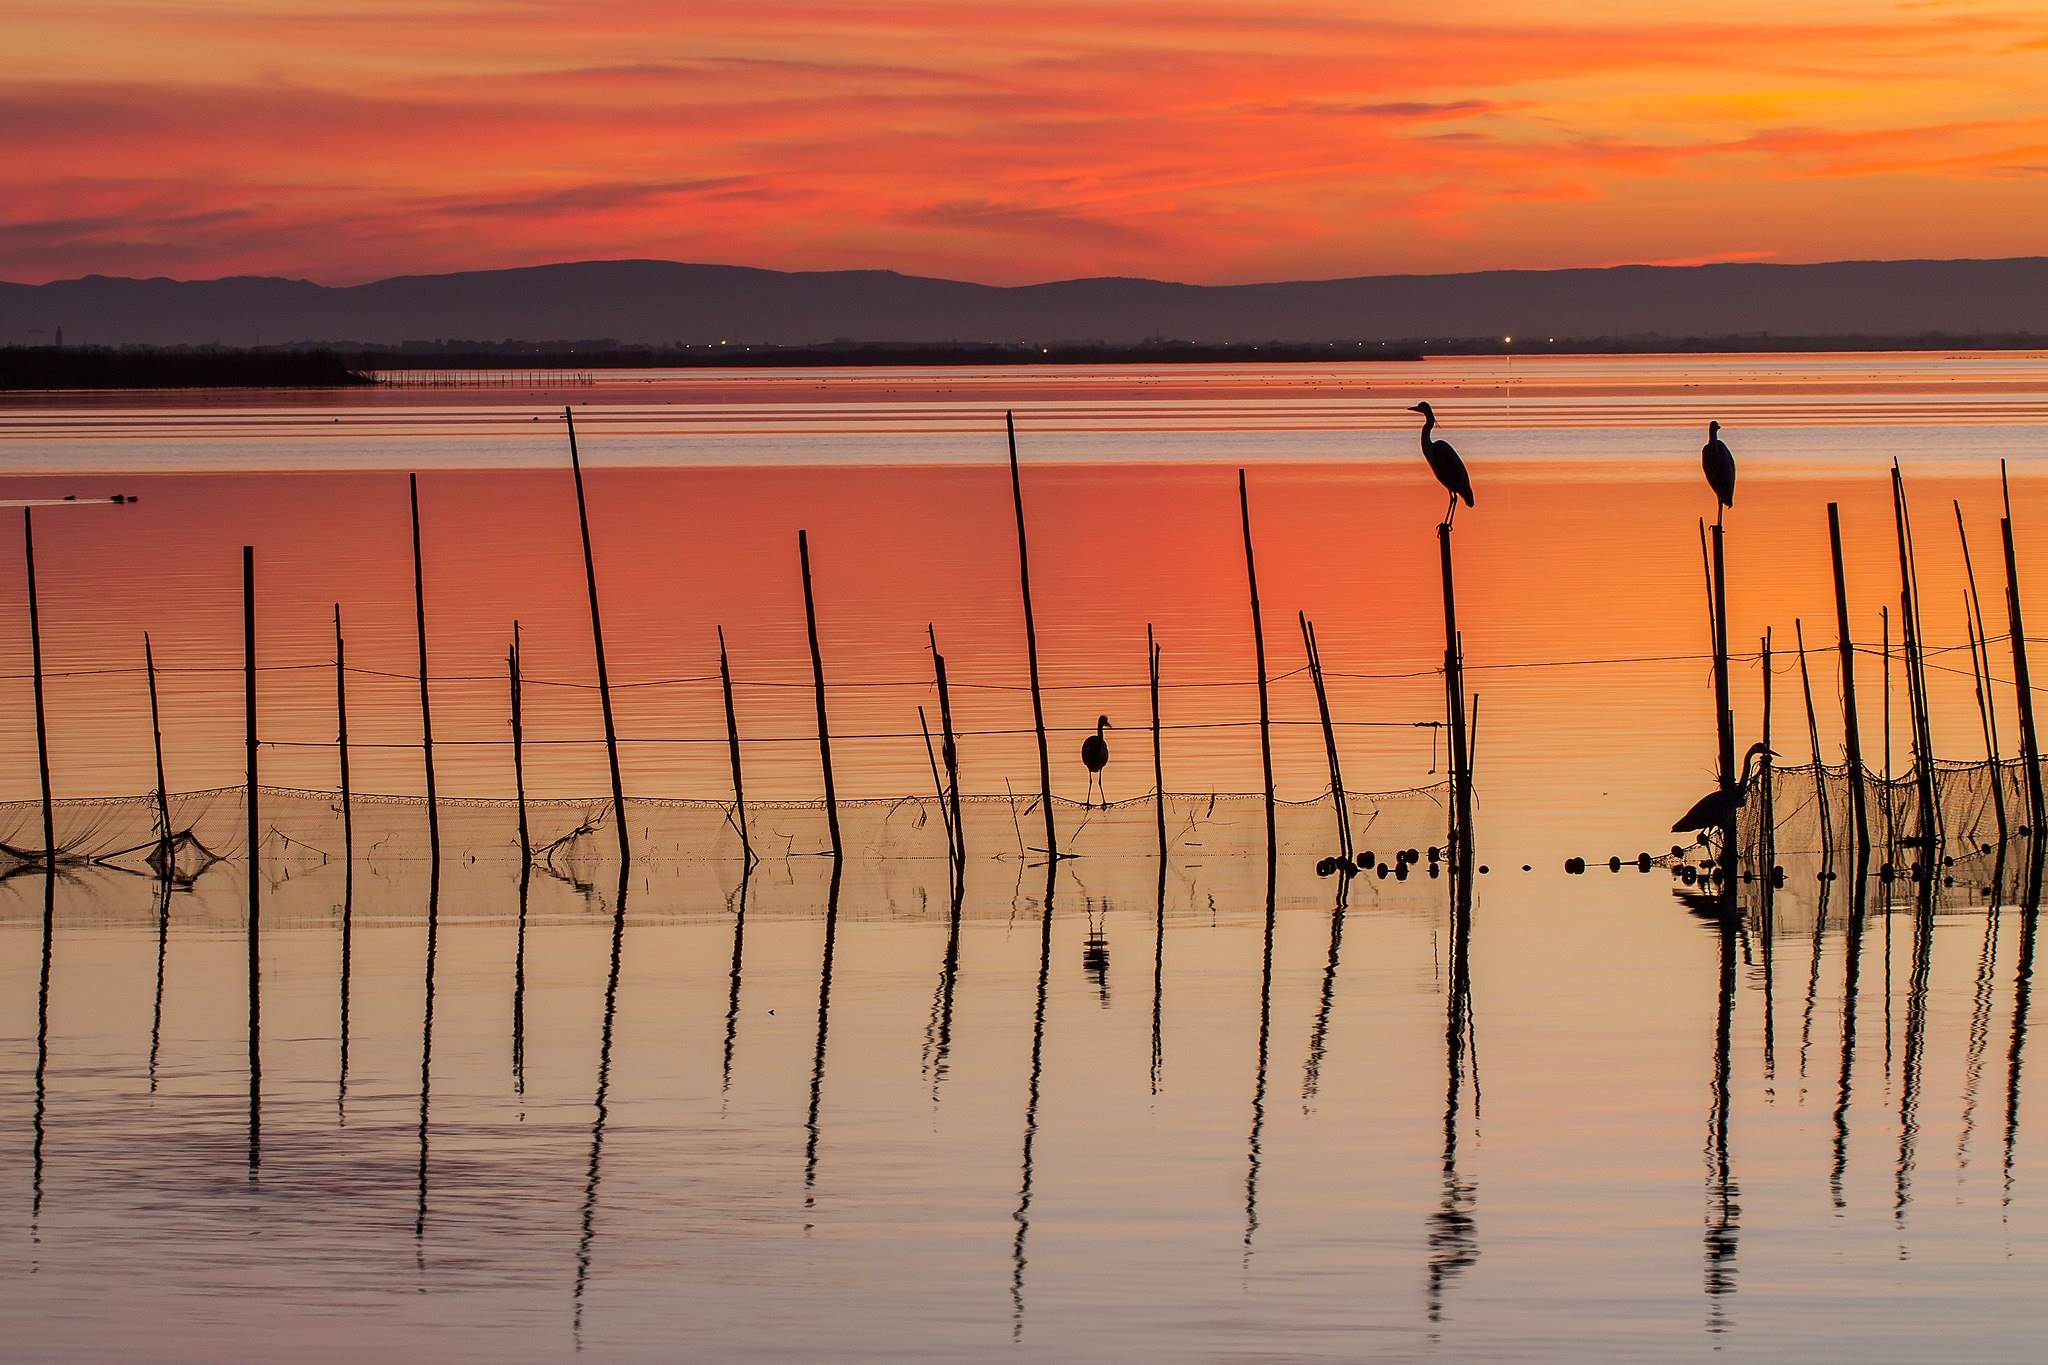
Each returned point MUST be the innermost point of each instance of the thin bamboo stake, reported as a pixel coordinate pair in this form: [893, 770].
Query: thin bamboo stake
[1052, 848]
[803, 550]
[1315, 672]
[2030, 749]
[732, 745]
[1852, 730]
[948, 747]
[255, 859]
[1251, 569]
[604, 684]
[931, 756]
[156, 739]
[516, 678]
[419, 597]
[1827, 831]
[1454, 686]
[1916, 677]
[35, 652]
[1158, 760]
[1984, 718]
[1767, 833]
[348, 824]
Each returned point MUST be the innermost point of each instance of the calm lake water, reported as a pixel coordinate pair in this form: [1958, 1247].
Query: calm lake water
[1139, 1116]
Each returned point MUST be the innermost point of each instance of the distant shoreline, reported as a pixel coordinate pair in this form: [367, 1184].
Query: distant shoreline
[52, 368]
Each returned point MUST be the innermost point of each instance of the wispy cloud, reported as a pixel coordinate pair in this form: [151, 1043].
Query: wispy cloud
[1013, 139]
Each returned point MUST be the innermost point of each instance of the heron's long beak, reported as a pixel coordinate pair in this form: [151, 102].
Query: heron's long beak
[1416, 408]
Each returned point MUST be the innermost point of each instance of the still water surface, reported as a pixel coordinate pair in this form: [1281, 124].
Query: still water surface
[1118, 1122]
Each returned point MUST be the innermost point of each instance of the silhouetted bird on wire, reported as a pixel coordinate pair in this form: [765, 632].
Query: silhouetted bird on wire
[1444, 463]
[1719, 462]
[1095, 754]
[1717, 808]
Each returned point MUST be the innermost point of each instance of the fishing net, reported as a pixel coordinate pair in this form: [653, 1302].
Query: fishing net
[579, 837]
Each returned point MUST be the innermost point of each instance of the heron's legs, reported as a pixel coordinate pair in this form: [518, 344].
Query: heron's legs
[1451, 515]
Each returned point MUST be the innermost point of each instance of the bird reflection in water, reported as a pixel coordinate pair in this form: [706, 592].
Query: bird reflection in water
[1095, 952]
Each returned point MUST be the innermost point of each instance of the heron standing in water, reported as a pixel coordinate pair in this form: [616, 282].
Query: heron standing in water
[1095, 755]
[1718, 808]
[1444, 463]
[1719, 463]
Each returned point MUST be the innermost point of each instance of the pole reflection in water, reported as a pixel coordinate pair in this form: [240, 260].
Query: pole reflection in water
[1252, 1148]
[1852, 973]
[732, 1000]
[1453, 1232]
[594, 1171]
[35, 1207]
[1916, 1040]
[348, 906]
[2023, 979]
[1820, 927]
[1980, 1013]
[1022, 1217]
[1318, 1037]
[949, 974]
[824, 1031]
[163, 944]
[1159, 968]
[419, 1226]
[519, 980]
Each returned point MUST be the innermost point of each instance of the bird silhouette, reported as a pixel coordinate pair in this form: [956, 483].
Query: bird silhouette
[1718, 808]
[1444, 463]
[1719, 463]
[1095, 754]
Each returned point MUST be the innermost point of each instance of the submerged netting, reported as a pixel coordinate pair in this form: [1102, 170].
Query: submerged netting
[579, 838]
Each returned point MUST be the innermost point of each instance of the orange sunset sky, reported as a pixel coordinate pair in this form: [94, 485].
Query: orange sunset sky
[1012, 142]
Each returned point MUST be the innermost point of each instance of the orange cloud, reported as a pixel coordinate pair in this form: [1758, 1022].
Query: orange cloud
[1010, 141]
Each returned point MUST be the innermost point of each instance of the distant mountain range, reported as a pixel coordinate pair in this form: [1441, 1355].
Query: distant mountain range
[666, 302]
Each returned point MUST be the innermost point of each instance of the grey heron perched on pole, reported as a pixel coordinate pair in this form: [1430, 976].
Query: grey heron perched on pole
[1719, 463]
[1444, 463]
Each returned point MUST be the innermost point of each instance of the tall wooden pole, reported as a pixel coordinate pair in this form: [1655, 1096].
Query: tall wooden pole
[348, 826]
[516, 680]
[1454, 686]
[1158, 760]
[419, 600]
[2030, 749]
[1767, 834]
[1315, 672]
[1916, 676]
[1977, 678]
[1820, 791]
[1052, 848]
[255, 836]
[732, 746]
[1251, 572]
[1723, 707]
[803, 550]
[604, 682]
[949, 747]
[156, 739]
[35, 654]
[1852, 730]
